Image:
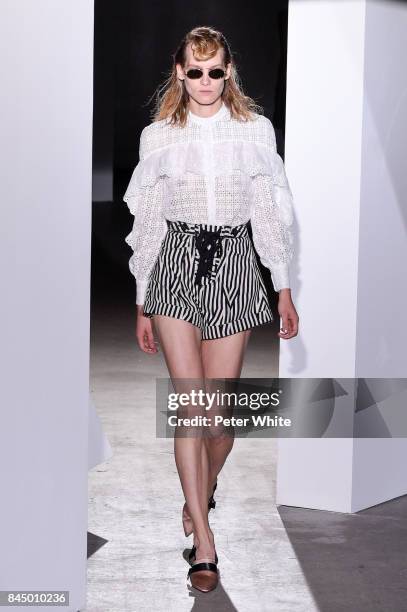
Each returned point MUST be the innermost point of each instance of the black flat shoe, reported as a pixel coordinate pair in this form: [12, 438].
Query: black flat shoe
[200, 579]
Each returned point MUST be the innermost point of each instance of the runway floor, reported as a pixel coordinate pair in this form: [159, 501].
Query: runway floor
[271, 558]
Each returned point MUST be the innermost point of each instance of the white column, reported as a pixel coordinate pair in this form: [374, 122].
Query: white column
[345, 150]
[99, 448]
[46, 167]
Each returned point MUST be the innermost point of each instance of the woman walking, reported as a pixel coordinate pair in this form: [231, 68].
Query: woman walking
[208, 165]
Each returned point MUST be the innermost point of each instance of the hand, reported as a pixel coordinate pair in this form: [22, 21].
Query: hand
[288, 314]
[144, 332]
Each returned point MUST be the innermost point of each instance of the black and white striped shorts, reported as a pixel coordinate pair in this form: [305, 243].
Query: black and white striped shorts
[208, 275]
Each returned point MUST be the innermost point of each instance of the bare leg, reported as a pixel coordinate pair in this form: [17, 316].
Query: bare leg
[222, 358]
[181, 345]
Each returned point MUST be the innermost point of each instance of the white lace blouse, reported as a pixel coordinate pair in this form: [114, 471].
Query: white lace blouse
[214, 170]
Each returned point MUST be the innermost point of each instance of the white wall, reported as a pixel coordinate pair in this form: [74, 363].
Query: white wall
[322, 153]
[345, 154]
[46, 117]
[381, 338]
[382, 290]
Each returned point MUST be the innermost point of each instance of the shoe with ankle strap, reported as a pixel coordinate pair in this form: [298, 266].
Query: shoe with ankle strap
[192, 555]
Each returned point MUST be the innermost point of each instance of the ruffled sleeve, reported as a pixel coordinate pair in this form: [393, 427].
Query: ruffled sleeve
[144, 197]
[272, 212]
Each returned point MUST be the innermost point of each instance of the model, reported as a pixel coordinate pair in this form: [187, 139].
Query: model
[208, 165]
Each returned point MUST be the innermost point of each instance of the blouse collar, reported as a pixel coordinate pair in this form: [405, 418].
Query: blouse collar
[223, 112]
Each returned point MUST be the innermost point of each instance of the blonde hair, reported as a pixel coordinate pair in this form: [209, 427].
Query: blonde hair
[172, 97]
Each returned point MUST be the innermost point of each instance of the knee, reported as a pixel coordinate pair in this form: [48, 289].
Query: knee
[221, 435]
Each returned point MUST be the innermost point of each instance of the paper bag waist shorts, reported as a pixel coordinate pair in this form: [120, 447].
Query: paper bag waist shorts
[208, 275]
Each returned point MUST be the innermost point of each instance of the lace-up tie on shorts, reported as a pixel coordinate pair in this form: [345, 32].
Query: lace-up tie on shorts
[208, 275]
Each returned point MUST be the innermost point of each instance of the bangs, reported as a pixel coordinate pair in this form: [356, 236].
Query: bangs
[204, 49]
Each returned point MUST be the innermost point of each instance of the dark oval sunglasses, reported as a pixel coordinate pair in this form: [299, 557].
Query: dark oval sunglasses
[196, 73]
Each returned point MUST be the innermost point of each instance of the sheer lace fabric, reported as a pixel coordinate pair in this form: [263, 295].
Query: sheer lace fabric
[214, 170]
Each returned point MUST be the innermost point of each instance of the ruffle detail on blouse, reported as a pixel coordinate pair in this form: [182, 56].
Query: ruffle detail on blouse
[130, 240]
[259, 161]
[228, 157]
[249, 158]
[171, 161]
